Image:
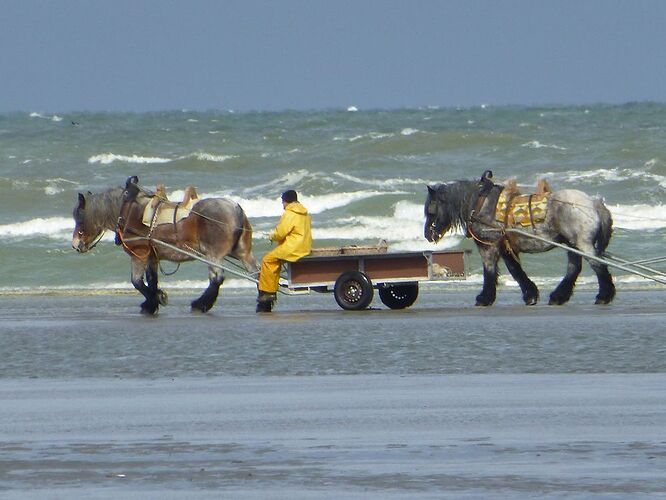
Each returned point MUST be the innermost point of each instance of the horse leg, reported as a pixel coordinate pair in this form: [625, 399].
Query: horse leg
[564, 290]
[527, 286]
[606, 286]
[489, 256]
[147, 288]
[208, 298]
[151, 279]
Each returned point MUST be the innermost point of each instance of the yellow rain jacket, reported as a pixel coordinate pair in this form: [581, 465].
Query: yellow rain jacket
[293, 233]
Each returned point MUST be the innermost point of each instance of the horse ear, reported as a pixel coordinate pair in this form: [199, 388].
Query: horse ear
[131, 180]
[488, 174]
[82, 201]
[431, 190]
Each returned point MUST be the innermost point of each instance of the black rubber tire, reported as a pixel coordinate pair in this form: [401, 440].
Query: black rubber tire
[399, 296]
[353, 291]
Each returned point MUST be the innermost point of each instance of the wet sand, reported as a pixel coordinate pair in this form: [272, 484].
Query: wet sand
[440, 401]
[451, 436]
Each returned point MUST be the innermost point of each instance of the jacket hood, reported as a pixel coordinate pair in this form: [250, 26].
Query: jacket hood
[297, 208]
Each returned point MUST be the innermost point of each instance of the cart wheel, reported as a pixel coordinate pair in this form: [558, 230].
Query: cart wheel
[353, 291]
[399, 296]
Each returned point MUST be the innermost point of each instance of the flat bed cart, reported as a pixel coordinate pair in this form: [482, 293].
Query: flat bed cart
[352, 277]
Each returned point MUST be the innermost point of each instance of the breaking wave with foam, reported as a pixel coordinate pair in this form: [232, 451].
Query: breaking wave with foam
[109, 158]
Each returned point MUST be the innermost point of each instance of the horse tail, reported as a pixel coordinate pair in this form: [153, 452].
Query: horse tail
[605, 229]
[242, 228]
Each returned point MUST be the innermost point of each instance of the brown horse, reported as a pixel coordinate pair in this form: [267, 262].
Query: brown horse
[213, 229]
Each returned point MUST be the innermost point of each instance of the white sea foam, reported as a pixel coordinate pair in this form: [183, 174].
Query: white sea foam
[52, 190]
[538, 145]
[403, 229]
[108, 158]
[374, 136]
[52, 227]
[292, 178]
[409, 131]
[609, 175]
[638, 217]
[53, 118]
[55, 186]
[352, 109]
[381, 182]
[210, 157]
[271, 207]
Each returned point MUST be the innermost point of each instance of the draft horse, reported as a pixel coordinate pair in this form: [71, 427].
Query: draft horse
[571, 218]
[214, 228]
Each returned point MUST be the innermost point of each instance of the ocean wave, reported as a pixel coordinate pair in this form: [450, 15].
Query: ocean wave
[616, 174]
[108, 158]
[374, 136]
[638, 217]
[381, 182]
[52, 227]
[409, 131]
[292, 178]
[53, 118]
[271, 207]
[57, 186]
[403, 229]
[538, 145]
[209, 157]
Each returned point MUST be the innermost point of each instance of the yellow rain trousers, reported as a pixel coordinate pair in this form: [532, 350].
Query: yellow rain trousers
[294, 238]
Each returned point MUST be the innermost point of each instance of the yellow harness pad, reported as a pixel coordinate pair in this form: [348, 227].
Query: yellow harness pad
[521, 210]
[168, 212]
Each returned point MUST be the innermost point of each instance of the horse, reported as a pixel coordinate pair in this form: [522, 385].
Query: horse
[572, 218]
[213, 229]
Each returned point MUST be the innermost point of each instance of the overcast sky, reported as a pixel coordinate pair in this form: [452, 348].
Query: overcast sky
[138, 55]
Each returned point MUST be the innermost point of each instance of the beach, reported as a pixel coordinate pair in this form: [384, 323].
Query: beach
[442, 400]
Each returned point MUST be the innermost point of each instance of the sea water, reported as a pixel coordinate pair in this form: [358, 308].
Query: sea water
[361, 174]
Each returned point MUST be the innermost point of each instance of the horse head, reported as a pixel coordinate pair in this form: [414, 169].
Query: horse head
[132, 188]
[86, 231]
[437, 219]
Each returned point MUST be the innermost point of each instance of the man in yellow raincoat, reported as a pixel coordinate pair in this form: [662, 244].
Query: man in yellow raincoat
[294, 238]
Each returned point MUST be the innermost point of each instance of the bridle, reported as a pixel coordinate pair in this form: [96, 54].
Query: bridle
[81, 232]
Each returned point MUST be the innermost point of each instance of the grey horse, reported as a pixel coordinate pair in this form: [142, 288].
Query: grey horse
[572, 218]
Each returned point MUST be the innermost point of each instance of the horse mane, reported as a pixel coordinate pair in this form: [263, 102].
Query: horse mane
[456, 200]
[102, 209]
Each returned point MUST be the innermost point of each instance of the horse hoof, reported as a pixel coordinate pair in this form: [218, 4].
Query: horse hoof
[162, 297]
[602, 302]
[531, 301]
[148, 310]
[199, 307]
